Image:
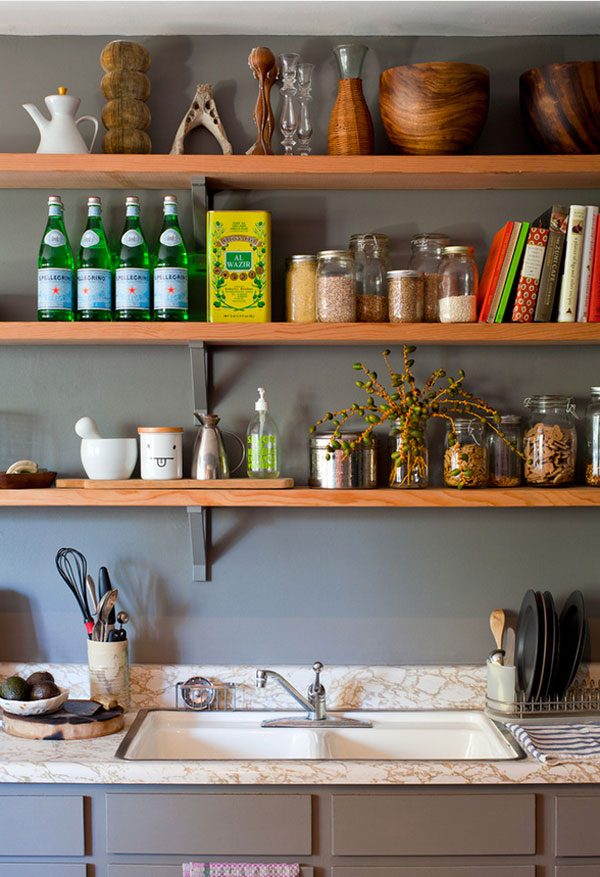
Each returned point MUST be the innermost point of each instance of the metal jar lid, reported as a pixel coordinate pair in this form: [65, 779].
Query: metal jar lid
[458, 251]
[513, 419]
[405, 272]
[293, 260]
[421, 239]
[335, 254]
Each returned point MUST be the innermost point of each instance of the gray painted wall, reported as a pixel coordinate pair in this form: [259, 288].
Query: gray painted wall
[381, 586]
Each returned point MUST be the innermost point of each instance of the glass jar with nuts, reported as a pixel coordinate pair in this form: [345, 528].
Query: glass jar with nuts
[592, 439]
[466, 462]
[336, 287]
[550, 441]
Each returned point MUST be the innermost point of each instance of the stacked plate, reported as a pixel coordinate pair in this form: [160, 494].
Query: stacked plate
[549, 647]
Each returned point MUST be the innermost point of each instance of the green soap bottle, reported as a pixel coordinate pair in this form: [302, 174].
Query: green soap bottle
[263, 455]
[55, 267]
[170, 268]
[132, 274]
[94, 268]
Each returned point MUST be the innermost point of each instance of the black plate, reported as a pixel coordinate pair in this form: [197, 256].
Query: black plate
[529, 647]
[551, 657]
[573, 631]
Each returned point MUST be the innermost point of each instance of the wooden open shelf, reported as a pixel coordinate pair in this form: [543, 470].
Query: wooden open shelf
[299, 334]
[32, 171]
[303, 497]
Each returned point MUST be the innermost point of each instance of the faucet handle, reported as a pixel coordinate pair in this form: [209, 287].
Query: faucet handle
[316, 687]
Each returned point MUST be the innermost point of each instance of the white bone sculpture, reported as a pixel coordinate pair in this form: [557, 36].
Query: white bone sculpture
[202, 113]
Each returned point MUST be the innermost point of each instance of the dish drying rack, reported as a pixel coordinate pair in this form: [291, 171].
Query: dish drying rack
[199, 693]
[581, 699]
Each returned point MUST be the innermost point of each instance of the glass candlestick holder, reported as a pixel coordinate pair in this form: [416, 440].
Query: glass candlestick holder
[305, 129]
[288, 120]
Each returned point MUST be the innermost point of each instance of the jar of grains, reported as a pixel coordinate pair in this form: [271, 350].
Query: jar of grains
[336, 287]
[458, 293]
[466, 455]
[405, 296]
[506, 466]
[426, 254]
[592, 439]
[550, 441]
[300, 283]
[371, 261]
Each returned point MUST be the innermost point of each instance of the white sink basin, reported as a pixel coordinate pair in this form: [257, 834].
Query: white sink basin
[444, 735]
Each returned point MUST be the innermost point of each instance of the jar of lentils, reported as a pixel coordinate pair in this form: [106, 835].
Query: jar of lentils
[506, 466]
[550, 441]
[405, 296]
[336, 287]
[460, 280]
[466, 462]
[372, 262]
[427, 251]
[592, 439]
[300, 292]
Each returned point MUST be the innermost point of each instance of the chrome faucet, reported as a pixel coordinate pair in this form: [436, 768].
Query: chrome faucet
[314, 703]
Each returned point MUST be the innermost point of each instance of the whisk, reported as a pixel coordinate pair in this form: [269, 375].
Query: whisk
[72, 567]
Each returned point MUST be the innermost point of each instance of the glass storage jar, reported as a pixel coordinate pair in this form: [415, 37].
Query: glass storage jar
[458, 293]
[405, 296]
[592, 439]
[410, 469]
[550, 441]
[300, 283]
[336, 287]
[371, 264]
[466, 462]
[506, 466]
[426, 254]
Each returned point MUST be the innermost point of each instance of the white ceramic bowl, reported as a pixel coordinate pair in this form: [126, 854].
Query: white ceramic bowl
[34, 707]
[109, 459]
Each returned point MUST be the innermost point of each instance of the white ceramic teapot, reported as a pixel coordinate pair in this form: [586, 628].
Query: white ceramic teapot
[60, 133]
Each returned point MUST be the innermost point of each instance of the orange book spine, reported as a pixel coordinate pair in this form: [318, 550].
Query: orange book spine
[492, 269]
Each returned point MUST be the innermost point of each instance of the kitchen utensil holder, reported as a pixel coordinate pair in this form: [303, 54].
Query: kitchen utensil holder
[201, 694]
[581, 699]
[108, 666]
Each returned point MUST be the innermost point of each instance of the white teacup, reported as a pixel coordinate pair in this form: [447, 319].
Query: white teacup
[109, 459]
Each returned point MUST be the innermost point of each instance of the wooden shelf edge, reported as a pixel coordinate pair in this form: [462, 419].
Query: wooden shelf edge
[303, 497]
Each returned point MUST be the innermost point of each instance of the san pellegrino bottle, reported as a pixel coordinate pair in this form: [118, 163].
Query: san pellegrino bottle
[94, 268]
[132, 274]
[170, 268]
[55, 267]
[262, 439]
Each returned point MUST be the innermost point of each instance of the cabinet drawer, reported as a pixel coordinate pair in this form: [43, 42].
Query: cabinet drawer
[8, 869]
[577, 870]
[440, 871]
[175, 871]
[209, 825]
[433, 825]
[58, 822]
[577, 820]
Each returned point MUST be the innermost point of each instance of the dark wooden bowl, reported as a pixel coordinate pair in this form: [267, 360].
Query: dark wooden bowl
[26, 480]
[560, 106]
[434, 109]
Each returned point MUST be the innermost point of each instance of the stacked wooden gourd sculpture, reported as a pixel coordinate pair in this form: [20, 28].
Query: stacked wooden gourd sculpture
[126, 88]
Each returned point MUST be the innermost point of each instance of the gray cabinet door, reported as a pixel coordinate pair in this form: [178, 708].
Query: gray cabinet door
[433, 825]
[57, 820]
[439, 871]
[41, 869]
[175, 871]
[577, 820]
[209, 825]
[577, 870]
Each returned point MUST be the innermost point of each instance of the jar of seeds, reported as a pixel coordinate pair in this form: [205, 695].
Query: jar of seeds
[426, 254]
[371, 260]
[466, 456]
[550, 441]
[458, 294]
[405, 296]
[506, 466]
[336, 287]
[592, 439]
[300, 289]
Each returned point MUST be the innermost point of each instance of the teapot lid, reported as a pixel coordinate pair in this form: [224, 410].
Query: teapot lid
[62, 89]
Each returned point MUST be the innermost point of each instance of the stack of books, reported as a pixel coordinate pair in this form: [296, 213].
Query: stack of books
[545, 270]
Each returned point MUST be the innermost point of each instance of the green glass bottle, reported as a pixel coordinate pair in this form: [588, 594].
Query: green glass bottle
[55, 267]
[170, 268]
[132, 274]
[94, 268]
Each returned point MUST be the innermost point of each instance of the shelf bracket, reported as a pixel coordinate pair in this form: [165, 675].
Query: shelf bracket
[200, 368]
[198, 520]
[202, 201]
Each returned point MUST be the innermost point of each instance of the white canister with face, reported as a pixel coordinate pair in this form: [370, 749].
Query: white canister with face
[161, 455]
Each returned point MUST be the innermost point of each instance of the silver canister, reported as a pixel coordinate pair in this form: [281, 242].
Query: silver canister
[358, 469]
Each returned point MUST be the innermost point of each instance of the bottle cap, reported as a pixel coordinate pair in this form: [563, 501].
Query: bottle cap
[132, 199]
[62, 89]
[170, 199]
[261, 403]
[55, 199]
[94, 199]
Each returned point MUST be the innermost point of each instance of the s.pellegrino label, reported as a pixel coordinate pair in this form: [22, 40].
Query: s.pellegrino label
[132, 291]
[55, 289]
[93, 289]
[171, 288]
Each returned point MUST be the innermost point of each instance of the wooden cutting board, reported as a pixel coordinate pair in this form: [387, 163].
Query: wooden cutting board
[179, 484]
[65, 726]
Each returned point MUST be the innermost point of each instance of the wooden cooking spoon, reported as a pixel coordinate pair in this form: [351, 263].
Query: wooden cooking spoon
[497, 625]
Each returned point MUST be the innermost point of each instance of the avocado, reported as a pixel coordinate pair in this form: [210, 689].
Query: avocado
[40, 677]
[15, 688]
[44, 690]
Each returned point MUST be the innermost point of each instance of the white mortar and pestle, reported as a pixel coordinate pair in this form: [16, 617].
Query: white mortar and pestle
[105, 459]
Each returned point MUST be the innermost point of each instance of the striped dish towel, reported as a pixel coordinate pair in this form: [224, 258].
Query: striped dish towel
[553, 744]
[236, 869]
